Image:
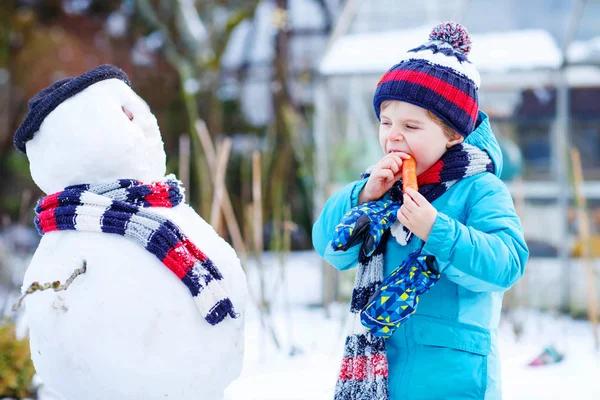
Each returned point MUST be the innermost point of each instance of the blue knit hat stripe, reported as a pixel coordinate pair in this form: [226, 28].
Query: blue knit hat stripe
[51, 97]
[426, 98]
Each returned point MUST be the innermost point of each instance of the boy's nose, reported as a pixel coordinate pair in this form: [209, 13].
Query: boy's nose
[395, 135]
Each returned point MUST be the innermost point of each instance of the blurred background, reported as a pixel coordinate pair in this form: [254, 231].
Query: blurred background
[270, 100]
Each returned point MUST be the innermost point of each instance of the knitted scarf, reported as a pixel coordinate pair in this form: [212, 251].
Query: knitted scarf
[364, 370]
[124, 207]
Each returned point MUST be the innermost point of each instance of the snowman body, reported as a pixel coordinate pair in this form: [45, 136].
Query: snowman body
[127, 328]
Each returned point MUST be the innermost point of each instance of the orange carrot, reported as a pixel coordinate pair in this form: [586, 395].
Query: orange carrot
[409, 174]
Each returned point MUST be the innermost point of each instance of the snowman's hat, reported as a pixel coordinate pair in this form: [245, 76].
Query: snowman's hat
[49, 98]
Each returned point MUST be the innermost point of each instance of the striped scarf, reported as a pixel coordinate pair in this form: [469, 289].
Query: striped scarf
[124, 207]
[364, 370]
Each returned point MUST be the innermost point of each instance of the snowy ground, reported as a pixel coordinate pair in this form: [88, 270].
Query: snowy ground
[311, 344]
[310, 374]
[306, 365]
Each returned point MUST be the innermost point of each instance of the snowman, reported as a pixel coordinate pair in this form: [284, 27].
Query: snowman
[154, 308]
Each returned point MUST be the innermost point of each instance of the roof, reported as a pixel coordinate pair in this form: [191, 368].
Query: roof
[374, 53]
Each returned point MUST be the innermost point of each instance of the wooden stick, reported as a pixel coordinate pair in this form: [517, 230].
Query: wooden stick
[584, 236]
[257, 202]
[184, 160]
[232, 225]
[206, 142]
[257, 241]
[257, 223]
[224, 149]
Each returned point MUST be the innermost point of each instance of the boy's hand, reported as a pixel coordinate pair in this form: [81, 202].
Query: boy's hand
[387, 171]
[417, 214]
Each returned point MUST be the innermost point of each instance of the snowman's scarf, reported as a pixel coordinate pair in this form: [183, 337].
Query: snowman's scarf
[364, 370]
[124, 207]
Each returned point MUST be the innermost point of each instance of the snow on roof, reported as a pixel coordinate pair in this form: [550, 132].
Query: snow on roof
[587, 51]
[374, 53]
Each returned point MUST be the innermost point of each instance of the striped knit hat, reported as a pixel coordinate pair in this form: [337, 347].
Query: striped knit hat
[51, 97]
[438, 77]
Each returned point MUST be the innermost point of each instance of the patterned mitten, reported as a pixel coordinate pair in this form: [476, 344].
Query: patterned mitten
[398, 296]
[365, 224]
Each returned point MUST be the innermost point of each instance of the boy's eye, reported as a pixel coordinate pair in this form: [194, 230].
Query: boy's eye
[411, 127]
[385, 123]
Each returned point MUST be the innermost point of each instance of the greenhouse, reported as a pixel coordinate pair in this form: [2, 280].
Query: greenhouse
[540, 85]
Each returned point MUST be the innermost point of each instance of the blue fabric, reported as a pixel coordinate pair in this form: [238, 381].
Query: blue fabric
[49, 98]
[478, 243]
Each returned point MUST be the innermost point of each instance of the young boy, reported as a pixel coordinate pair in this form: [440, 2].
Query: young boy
[463, 215]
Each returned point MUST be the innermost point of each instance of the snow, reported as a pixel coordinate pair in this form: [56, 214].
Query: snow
[144, 319]
[374, 53]
[305, 14]
[117, 24]
[187, 16]
[269, 374]
[88, 139]
[311, 345]
[307, 365]
[127, 327]
[258, 49]
[575, 377]
[583, 51]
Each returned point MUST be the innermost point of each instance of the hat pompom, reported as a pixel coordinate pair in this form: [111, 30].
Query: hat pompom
[454, 34]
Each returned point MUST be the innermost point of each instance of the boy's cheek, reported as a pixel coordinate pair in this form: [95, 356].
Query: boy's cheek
[382, 144]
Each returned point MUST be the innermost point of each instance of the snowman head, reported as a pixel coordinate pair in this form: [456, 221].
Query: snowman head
[91, 129]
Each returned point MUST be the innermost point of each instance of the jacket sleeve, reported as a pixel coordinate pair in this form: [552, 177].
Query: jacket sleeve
[335, 208]
[488, 253]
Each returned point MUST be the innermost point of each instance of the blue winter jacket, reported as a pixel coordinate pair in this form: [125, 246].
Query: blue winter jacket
[449, 348]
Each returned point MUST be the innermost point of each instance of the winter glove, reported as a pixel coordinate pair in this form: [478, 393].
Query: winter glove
[365, 224]
[398, 295]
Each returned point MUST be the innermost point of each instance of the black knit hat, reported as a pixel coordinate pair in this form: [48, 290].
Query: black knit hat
[49, 98]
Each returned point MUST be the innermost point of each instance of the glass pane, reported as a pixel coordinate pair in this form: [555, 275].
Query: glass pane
[386, 15]
[482, 16]
[585, 136]
[533, 138]
[588, 25]
[585, 47]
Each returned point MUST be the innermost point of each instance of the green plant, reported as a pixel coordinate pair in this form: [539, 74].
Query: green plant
[16, 368]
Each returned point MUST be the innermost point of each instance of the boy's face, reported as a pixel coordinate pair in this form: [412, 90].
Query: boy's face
[408, 128]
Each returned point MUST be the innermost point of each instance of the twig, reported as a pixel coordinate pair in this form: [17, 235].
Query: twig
[232, 225]
[25, 204]
[257, 223]
[184, 160]
[584, 236]
[56, 285]
[257, 203]
[257, 235]
[223, 152]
